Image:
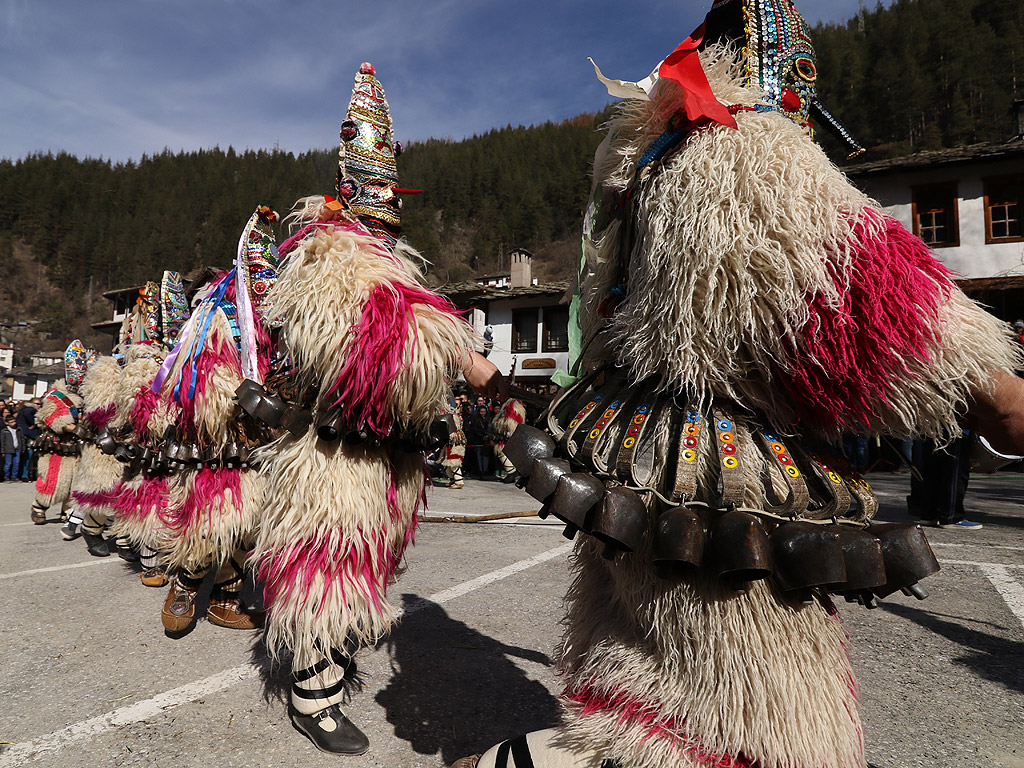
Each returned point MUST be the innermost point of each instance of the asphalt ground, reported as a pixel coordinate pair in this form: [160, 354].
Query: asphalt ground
[87, 676]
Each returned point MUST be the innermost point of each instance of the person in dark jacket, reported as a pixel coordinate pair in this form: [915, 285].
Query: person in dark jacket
[12, 442]
[26, 422]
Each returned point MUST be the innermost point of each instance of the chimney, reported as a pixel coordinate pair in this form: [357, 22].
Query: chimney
[522, 269]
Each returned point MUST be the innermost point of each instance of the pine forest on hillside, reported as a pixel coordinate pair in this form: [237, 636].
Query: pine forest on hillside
[921, 74]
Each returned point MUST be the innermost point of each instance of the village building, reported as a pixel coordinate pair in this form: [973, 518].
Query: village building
[525, 323]
[966, 203]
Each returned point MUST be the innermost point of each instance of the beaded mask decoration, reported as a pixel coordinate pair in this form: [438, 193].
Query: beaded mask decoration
[173, 307]
[779, 56]
[259, 259]
[367, 172]
[76, 361]
[149, 309]
[777, 50]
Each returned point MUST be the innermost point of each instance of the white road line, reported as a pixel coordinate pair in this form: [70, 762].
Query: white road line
[1008, 588]
[30, 750]
[54, 568]
[488, 578]
[969, 544]
[142, 710]
[981, 565]
[9, 525]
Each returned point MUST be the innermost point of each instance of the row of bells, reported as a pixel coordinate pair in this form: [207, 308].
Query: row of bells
[334, 425]
[859, 563]
[271, 409]
[173, 456]
[51, 443]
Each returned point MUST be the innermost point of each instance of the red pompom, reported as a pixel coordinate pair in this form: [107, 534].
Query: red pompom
[366, 68]
[791, 100]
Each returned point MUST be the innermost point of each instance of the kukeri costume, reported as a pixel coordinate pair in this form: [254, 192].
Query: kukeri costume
[508, 418]
[214, 495]
[140, 418]
[373, 353]
[742, 305]
[454, 451]
[95, 485]
[58, 446]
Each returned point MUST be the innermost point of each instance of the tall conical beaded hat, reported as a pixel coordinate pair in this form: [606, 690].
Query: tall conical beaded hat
[777, 50]
[367, 172]
[76, 361]
[173, 307]
[779, 57]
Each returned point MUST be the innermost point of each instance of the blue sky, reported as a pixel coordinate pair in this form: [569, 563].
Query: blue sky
[122, 78]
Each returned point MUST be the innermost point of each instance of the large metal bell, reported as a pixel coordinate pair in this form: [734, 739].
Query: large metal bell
[862, 556]
[526, 445]
[125, 452]
[270, 410]
[249, 395]
[230, 456]
[211, 457]
[576, 498]
[621, 521]
[908, 559]
[544, 480]
[806, 555]
[331, 427]
[679, 537]
[739, 549]
[106, 443]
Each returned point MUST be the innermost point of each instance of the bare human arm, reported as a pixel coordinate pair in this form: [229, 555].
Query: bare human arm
[484, 377]
[998, 413]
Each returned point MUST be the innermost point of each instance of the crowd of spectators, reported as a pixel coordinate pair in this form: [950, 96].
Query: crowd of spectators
[478, 414]
[17, 431]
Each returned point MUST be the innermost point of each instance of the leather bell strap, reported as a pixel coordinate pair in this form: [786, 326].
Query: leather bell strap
[728, 458]
[691, 438]
[798, 498]
[635, 460]
[837, 496]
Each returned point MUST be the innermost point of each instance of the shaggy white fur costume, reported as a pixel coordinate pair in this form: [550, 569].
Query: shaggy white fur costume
[98, 474]
[337, 517]
[747, 241]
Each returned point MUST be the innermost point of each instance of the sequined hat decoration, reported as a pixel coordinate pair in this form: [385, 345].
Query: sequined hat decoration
[76, 361]
[367, 173]
[259, 260]
[173, 307]
[149, 328]
[778, 55]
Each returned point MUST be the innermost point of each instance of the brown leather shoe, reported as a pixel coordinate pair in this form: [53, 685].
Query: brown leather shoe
[227, 612]
[179, 611]
[154, 577]
[466, 762]
[38, 516]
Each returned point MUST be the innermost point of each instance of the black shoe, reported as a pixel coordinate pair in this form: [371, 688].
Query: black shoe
[124, 549]
[331, 731]
[511, 477]
[96, 545]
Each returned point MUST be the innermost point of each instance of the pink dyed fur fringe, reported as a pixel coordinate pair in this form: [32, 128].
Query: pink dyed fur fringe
[852, 356]
[98, 418]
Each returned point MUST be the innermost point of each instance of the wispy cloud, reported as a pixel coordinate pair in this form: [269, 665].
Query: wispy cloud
[115, 79]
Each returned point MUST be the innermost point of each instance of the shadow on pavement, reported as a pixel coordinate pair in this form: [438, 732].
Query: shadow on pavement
[456, 691]
[991, 657]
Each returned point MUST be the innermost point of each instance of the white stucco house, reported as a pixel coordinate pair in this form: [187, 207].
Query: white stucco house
[527, 321]
[967, 203]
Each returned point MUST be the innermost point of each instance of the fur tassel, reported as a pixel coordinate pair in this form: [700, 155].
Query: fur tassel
[327, 550]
